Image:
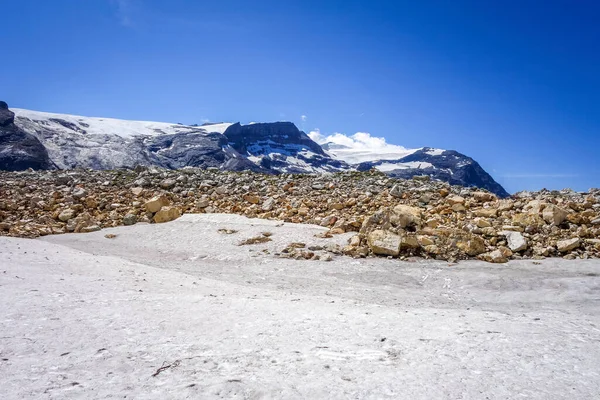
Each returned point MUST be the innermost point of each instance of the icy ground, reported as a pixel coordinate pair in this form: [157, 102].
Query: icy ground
[179, 310]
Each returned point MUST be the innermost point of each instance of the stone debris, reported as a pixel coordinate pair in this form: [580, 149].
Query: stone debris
[391, 217]
[255, 240]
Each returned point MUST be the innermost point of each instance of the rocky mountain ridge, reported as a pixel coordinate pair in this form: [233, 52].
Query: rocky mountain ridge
[69, 142]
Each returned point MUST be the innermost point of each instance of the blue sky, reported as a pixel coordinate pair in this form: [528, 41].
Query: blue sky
[513, 84]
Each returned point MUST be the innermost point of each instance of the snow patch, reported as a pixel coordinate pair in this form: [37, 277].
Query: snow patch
[65, 123]
[385, 167]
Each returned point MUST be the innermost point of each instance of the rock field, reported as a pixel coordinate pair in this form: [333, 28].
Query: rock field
[393, 218]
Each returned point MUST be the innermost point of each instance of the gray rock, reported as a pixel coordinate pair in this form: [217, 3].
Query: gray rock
[516, 241]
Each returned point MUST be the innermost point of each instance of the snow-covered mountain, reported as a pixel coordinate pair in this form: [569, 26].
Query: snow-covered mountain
[67, 141]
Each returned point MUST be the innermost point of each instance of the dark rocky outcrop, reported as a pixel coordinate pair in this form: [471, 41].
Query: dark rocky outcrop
[19, 150]
[449, 166]
[257, 139]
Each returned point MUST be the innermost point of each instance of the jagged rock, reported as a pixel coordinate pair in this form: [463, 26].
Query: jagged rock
[516, 241]
[554, 214]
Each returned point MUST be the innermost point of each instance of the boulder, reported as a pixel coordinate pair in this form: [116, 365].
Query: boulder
[471, 245]
[568, 244]
[384, 243]
[483, 197]
[166, 214]
[554, 215]
[516, 241]
[154, 204]
[406, 216]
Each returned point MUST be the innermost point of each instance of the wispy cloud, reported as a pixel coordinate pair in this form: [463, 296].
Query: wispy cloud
[303, 118]
[536, 176]
[125, 10]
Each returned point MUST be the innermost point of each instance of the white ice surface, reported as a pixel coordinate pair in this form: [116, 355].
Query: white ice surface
[384, 167]
[86, 317]
[107, 126]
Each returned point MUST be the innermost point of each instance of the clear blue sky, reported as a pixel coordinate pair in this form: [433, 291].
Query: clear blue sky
[513, 84]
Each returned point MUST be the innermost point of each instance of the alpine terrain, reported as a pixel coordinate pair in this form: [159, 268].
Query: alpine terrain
[40, 140]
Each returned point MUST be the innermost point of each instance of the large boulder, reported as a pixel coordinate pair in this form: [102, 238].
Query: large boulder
[384, 243]
[167, 214]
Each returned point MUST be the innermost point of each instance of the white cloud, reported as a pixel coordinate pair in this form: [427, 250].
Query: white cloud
[303, 118]
[360, 147]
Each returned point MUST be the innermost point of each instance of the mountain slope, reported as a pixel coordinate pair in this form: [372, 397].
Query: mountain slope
[19, 150]
[446, 165]
[47, 140]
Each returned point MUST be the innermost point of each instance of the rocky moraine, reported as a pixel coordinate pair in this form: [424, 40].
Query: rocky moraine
[391, 217]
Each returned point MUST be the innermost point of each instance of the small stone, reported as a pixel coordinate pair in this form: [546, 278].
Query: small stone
[91, 228]
[66, 215]
[396, 191]
[268, 204]
[168, 184]
[500, 255]
[252, 199]
[79, 193]
[129, 219]
[454, 199]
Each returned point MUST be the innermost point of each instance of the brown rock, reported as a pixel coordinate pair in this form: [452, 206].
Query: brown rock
[384, 243]
[156, 203]
[568, 244]
[166, 214]
[554, 215]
